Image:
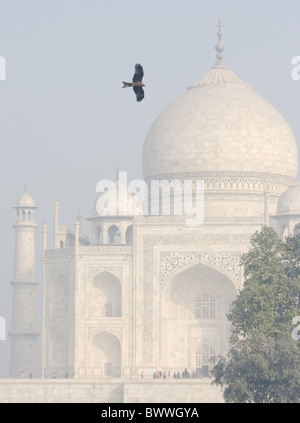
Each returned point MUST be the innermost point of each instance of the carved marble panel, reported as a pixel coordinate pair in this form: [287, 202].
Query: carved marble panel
[171, 262]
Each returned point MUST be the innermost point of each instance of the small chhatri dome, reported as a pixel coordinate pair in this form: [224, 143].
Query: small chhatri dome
[289, 202]
[25, 200]
[219, 124]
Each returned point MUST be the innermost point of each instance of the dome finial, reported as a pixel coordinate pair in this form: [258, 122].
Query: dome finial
[219, 46]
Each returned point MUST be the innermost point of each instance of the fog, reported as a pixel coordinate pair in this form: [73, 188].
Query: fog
[66, 123]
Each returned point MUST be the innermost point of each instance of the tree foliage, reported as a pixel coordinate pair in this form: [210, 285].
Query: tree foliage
[269, 299]
[260, 369]
[262, 363]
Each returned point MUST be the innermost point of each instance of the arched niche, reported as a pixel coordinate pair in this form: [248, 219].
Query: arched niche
[105, 296]
[106, 354]
[113, 235]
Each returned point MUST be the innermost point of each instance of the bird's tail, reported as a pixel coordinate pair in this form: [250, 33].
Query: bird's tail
[127, 84]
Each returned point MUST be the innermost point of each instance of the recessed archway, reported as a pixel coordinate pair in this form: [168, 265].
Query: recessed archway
[113, 235]
[106, 354]
[193, 311]
[105, 296]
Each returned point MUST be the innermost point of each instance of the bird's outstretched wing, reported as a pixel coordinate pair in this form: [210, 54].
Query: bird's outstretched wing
[139, 92]
[138, 74]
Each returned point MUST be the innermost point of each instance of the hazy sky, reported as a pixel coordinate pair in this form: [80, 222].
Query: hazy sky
[65, 121]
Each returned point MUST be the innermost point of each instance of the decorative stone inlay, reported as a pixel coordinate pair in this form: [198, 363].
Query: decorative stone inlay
[208, 239]
[232, 180]
[66, 253]
[181, 220]
[106, 249]
[171, 262]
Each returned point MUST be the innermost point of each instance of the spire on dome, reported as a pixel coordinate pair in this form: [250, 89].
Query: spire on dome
[219, 74]
[219, 46]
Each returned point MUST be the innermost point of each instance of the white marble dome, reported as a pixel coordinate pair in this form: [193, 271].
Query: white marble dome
[25, 200]
[289, 201]
[219, 124]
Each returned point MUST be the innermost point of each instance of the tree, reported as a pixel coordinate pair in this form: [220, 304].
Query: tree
[269, 299]
[292, 254]
[262, 363]
[260, 369]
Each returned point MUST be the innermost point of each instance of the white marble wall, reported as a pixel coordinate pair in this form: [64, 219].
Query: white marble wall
[113, 391]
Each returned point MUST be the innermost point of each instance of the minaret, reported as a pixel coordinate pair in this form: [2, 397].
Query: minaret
[24, 333]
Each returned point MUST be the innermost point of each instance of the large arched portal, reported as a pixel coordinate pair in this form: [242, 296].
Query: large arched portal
[193, 318]
[106, 354]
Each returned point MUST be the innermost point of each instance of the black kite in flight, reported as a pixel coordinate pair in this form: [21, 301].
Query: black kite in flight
[136, 83]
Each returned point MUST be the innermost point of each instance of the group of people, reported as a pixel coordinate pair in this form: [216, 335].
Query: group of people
[185, 374]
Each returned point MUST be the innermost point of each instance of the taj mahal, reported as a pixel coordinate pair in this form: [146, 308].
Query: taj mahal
[143, 294]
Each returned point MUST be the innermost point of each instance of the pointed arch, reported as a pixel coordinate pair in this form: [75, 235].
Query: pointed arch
[105, 296]
[113, 235]
[234, 266]
[106, 354]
